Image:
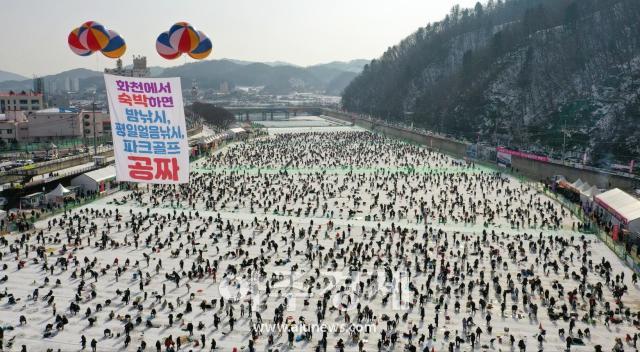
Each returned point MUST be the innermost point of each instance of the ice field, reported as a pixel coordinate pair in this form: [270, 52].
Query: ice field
[300, 122]
[328, 225]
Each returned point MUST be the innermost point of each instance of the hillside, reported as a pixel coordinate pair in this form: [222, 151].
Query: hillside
[10, 76]
[522, 73]
[349, 66]
[82, 74]
[275, 77]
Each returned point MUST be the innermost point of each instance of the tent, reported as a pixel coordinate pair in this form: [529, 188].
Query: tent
[623, 208]
[576, 185]
[591, 192]
[588, 194]
[59, 194]
[569, 190]
[99, 180]
[585, 186]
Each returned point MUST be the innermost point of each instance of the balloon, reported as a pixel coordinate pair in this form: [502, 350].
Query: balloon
[116, 46]
[183, 37]
[164, 48]
[75, 45]
[93, 36]
[203, 49]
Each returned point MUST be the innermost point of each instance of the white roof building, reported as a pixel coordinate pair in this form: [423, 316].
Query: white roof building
[623, 207]
[92, 180]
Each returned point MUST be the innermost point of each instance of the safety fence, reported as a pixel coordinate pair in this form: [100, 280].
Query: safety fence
[630, 257]
[60, 144]
[27, 218]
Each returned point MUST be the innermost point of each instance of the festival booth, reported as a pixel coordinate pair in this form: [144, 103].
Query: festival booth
[586, 196]
[96, 181]
[577, 184]
[238, 131]
[33, 200]
[583, 187]
[571, 191]
[211, 143]
[620, 209]
[59, 195]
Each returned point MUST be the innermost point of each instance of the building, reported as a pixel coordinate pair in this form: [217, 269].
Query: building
[224, 87]
[194, 90]
[139, 68]
[102, 124]
[13, 126]
[38, 85]
[33, 200]
[55, 100]
[22, 101]
[56, 123]
[52, 87]
[619, 209]
[100, 180]
[52, 124]
[72, 84]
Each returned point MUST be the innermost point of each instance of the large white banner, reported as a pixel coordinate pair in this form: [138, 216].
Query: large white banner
[149, 132]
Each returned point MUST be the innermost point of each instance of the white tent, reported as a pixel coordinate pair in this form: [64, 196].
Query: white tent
[624, 208]
[577, 184]
[588, 194]
[58, 194]
[96, 180]
[559, 178]
[585, 186]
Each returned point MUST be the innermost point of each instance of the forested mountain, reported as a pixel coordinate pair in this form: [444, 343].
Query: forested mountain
[516, 72]
[86, 78]
[275, 77]
[10, 76]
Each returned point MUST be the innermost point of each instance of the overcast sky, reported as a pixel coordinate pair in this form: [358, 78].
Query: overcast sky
[303, 32]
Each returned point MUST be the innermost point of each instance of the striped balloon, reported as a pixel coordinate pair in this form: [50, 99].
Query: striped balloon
[75, 45]
[116, 46]
[203, 49]
[183, 37]
[164, 48]
[93, 36]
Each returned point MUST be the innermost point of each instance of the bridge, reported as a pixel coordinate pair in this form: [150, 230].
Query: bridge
[265, 113]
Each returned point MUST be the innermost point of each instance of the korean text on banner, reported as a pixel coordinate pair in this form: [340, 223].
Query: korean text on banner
[149, 131]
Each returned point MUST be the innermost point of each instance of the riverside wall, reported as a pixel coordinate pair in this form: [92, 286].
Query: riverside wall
[532, 169]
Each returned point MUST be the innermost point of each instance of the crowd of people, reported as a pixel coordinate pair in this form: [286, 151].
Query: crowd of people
[328, 241]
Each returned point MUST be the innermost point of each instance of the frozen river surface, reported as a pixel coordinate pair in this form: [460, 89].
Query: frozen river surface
[373, 243]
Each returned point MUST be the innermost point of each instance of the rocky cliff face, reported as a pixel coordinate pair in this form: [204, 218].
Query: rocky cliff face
[532, 74]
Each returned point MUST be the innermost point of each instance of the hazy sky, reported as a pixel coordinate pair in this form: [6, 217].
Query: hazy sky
[303, 32]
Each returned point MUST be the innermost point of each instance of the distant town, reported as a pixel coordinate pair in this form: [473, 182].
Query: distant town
[57, 118]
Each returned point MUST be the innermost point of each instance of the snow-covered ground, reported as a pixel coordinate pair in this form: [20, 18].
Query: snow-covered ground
[311, 214]
[301, 122]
